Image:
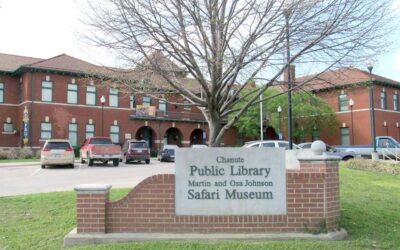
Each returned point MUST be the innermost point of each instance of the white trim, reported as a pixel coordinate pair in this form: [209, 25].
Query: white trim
[63, 104]
[362, 110]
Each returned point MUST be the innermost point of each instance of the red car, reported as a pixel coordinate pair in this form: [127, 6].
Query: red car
[133, 150]
[100, 149]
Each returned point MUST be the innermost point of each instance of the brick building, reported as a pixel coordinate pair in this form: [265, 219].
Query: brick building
[346, 90]
[54, 98]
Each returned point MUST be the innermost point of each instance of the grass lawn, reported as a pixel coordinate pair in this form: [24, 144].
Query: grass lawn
[19, 160]
[370, 213]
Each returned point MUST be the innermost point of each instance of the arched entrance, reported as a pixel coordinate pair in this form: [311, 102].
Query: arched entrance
[271, 134]
[147, 134]
[196, 137]
[173, 137]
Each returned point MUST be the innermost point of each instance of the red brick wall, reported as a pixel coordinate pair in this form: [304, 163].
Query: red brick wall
[312, 204]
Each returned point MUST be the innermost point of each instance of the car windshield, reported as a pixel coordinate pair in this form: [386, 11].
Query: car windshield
[57, 145]
[170, 151]
[138, 145]
[98, 141]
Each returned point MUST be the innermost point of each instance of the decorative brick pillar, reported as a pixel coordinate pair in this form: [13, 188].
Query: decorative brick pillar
[91, 207]
[327, 167]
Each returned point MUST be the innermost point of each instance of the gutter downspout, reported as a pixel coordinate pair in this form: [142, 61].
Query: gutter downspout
[31, 113]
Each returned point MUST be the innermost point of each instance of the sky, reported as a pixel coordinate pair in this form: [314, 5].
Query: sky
[47, 28]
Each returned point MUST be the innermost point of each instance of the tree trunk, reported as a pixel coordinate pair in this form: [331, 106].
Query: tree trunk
[215, 127]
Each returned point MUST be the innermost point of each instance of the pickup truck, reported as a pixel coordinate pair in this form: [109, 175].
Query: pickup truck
[386, 146]
[100, 149]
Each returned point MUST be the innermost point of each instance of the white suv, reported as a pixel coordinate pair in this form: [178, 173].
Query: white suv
[57, 152]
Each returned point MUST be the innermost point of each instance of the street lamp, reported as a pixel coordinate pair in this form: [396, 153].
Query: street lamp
[370, 66]
[351, 104]
[279, 109]
[102, 101]
[398, 130]
[286, 13]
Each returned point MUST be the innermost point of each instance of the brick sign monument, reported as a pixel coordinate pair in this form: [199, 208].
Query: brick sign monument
[218, 193]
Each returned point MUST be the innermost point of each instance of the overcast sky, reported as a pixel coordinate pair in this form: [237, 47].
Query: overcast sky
[46, 28]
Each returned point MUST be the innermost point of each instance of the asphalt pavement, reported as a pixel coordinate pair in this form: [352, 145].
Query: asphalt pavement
[30, 178]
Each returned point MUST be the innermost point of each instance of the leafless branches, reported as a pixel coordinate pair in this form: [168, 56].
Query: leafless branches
[225, 44]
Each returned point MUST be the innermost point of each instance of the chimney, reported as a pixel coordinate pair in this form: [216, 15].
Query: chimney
[292, 74]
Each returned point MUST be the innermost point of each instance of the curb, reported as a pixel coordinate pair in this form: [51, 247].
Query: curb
[74, 239]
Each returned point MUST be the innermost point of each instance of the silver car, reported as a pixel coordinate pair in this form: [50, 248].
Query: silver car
[57, 152]
[269, 144]
[345, 156]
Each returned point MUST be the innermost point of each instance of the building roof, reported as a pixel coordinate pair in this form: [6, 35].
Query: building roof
[10, 63]
[65, 63]
[340, 78]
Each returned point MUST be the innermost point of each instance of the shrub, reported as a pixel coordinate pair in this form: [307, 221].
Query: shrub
[25, 153]
[380, 166]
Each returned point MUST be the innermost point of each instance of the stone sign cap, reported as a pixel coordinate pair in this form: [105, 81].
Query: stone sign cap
[92, 188]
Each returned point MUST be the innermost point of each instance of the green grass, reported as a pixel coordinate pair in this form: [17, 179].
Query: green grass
[370, 213]
[19, 160]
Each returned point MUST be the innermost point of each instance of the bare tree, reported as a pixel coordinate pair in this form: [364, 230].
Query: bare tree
[225, 45]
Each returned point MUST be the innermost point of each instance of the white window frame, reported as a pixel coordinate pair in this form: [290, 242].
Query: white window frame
[91, 92]
[73, 132]
[113, 97]
[45, 130]
[47, 87]
[72, 93]
[114, 135]
[89, 133]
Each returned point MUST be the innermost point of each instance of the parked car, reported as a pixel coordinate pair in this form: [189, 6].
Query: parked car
[57, 152]
[344, 155]
[269, 144]
[133, 150]
[100, 149]
[199, 146]
[167, 153]
[385, 145]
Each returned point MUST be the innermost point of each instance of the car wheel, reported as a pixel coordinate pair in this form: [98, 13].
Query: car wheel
[71, 165]
[82, 160]
[43, 166]
[347, 158]
[90, 162]
[147, 161]
[115, 162]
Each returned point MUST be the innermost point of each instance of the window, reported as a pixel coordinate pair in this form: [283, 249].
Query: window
[315, 134]
[343, 103]
[132, 101]
[8, 127]
[146, 101]
[162, 105]
[45, 130]
[72, 96]
[113, 102]
[396, 102]
[73, 134]
[383, 100]
[345, 136]
[89, 132]
[47, 91]
[186, 103]
[114, 133]
[268, 144]
[1, 92]
[91, 95]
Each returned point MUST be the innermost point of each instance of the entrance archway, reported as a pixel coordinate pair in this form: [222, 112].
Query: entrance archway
[173, 136]
[145, 133]
[271, 134]
[196, 137]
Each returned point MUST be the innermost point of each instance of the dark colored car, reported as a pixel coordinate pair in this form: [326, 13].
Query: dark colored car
[167, 153]
[133, 150]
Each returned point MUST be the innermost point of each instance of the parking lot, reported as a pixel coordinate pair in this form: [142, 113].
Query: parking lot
[18, 179]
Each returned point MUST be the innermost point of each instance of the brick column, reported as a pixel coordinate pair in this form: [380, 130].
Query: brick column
[91, 202]
[327, 167]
